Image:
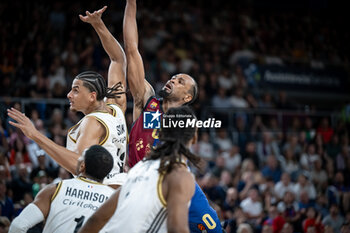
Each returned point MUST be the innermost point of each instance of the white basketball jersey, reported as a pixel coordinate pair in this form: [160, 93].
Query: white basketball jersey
[141, 206]
[74, 201]
[115, 141]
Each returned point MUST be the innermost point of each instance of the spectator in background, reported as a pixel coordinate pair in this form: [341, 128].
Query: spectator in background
[21, 184]
[232, 159]
[222, 141]
[257, 128]
[220, 100]
[290, 164]
[309, 130]
[237, 100]
[305, 185]
[6, 204]
[318, 175]
[241, 135]
[252, 206]
[290, 209]
[62, 175]
[342, 158]
[267, 146]
[333, 148]
[42, 166]
[308, 159]
[283, 186]
[225, 80]
[266, 101]
[313, 220]
[274, 219]
[4, 224]
[19, 151]
[3, 136]
[304, 201]
[204, 148]
[272, 169]
[287, 228]
[321, 205]
[325, 130]
[231, 202]
[334, 219]
[250, 153]
[244, 228]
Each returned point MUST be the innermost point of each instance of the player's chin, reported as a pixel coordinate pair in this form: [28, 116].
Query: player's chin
[72, 108]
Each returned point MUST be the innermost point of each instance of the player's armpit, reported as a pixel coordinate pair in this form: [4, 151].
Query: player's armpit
[180, 189]
[96, 222]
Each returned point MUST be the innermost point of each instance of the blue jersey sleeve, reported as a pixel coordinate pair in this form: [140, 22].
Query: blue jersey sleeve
[202, 217]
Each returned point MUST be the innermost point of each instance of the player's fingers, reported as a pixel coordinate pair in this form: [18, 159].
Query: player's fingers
[15, 124]
[88, 13]
[17, 115]
[82, 18]
[13, 113]
[14, 116]
[103, 9]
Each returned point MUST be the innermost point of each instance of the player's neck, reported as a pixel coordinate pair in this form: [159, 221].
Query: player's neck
[170, 104]
[97, 106]
[87, 177]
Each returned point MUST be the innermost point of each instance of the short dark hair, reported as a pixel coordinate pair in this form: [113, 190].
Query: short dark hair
[98, 162]
[96, 83]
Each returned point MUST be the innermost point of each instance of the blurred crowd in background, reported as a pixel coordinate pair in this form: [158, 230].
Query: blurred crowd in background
[263, 173]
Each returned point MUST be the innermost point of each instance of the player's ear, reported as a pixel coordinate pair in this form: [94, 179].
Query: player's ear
[188, 98]
[93, 96]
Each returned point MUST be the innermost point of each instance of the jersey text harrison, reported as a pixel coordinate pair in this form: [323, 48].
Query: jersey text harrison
[85, 195]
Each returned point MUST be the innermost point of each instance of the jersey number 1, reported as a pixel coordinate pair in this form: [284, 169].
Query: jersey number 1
[80, 222]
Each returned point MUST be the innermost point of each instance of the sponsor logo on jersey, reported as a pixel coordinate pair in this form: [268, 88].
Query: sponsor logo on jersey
[153, 105]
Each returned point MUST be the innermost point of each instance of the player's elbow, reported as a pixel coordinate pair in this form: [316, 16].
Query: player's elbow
[131, 48]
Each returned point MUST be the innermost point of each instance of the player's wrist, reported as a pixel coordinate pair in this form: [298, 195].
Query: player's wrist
[97, 24]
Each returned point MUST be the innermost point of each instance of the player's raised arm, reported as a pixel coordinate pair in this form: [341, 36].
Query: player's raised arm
[139, 87]
[117, 68]
[60, 154]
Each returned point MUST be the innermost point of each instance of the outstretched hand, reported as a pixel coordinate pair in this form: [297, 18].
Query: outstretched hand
[94, 17]
[23, 122]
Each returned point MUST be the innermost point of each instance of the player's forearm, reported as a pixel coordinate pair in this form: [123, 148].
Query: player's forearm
[109, 43]
[130, 27]
[30, 216]
[66, 158]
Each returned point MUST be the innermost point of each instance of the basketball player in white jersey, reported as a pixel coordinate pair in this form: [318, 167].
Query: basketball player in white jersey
[158, 190]
[104, 109]
[66, 205]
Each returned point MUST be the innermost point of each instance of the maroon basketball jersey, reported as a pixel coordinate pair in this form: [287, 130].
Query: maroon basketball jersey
[140, 139]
